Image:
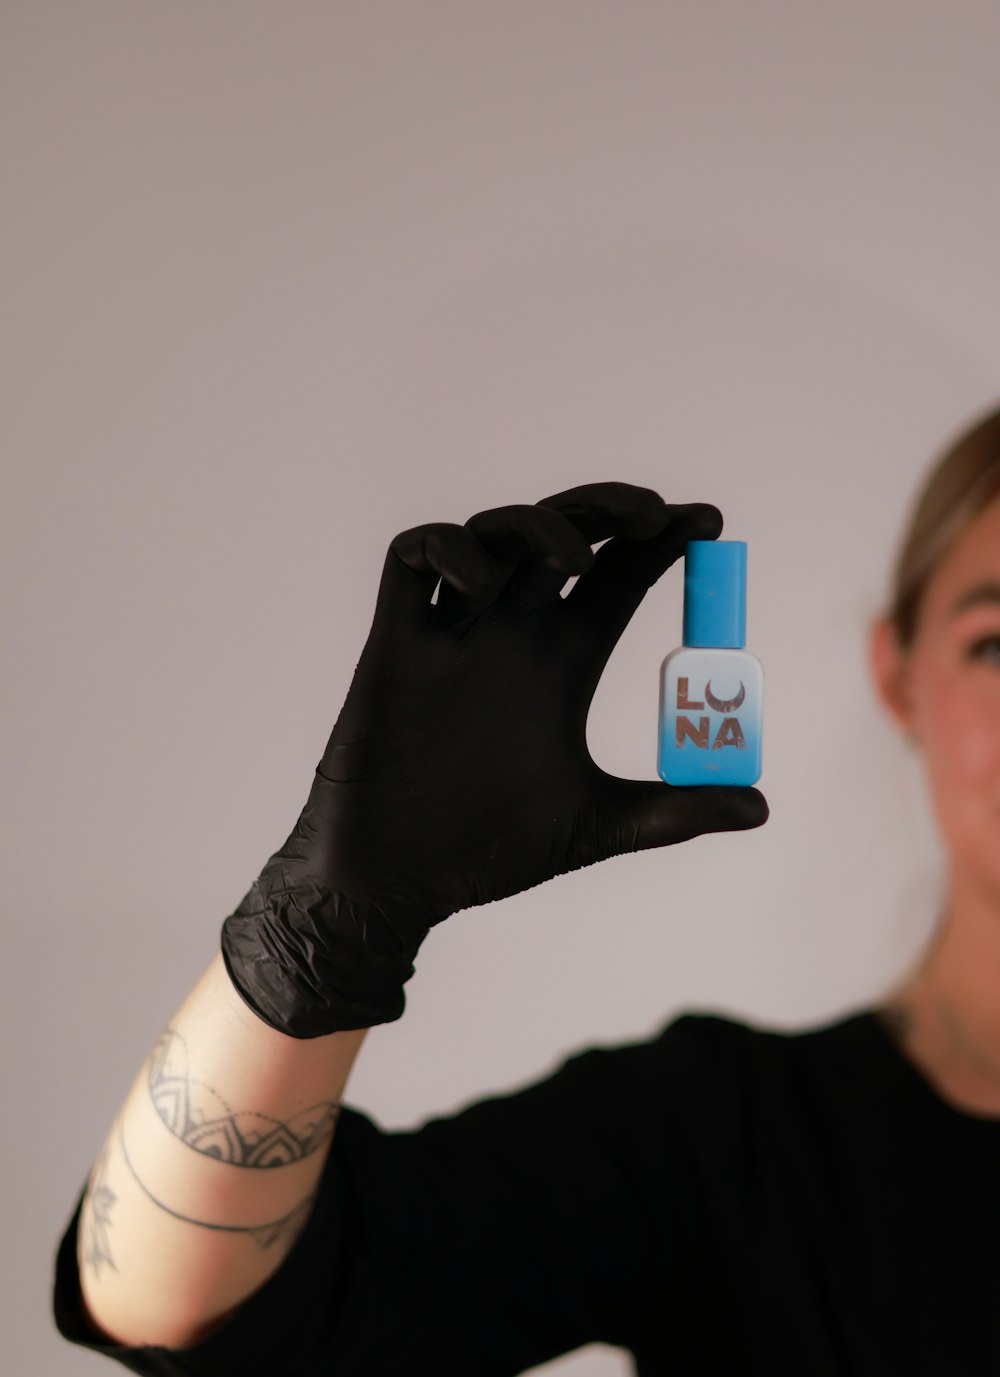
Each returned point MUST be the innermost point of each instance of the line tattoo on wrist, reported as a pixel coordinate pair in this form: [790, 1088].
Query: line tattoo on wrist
[264, 1235]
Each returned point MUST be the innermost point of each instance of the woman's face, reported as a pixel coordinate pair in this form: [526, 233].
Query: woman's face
[946, 694]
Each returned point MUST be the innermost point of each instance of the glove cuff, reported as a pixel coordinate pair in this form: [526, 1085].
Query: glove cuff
[307, 978]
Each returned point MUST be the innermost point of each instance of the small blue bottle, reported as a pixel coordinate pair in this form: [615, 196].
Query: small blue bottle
[711, 687]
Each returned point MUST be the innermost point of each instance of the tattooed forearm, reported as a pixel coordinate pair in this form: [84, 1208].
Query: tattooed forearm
[202, 1119]
[264, 1235]
[95, 1219]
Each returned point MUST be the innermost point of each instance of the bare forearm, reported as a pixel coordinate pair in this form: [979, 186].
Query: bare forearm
[210, 1169]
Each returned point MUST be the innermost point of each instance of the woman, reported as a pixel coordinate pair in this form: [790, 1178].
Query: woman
[720, 1198]
[936, 662]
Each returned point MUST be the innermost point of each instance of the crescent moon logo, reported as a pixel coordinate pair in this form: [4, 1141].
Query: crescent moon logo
[724, 705]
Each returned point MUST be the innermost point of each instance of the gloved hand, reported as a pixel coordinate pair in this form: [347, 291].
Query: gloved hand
[458, 770]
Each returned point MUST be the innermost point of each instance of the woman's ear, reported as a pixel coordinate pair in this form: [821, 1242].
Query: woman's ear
[890, 670]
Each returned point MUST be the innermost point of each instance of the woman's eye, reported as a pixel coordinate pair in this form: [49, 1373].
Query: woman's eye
[986, 648]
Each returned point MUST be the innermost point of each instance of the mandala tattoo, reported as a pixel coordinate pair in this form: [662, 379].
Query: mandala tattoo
[100, 1198]
[202, 1119]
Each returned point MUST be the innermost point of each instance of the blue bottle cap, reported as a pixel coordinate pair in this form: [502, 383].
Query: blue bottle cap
[715, 593]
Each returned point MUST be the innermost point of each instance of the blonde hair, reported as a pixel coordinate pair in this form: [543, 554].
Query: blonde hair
[961, 483]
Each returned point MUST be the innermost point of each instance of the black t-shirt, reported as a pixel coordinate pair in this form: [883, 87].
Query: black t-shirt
[719, 1199]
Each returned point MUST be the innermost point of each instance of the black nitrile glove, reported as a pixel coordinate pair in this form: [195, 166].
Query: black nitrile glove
[458, 770]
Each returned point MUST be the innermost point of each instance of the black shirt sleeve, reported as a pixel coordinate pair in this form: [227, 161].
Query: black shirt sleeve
[483, 1243]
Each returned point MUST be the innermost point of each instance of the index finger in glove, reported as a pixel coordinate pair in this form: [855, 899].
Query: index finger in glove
[600, 510]
[605, 598]
[645, 536]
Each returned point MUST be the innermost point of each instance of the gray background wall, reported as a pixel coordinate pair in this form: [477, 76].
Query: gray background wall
[283, 279]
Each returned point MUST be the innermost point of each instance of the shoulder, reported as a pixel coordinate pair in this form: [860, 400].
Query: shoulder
[696, 1068]
[725, 1057]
